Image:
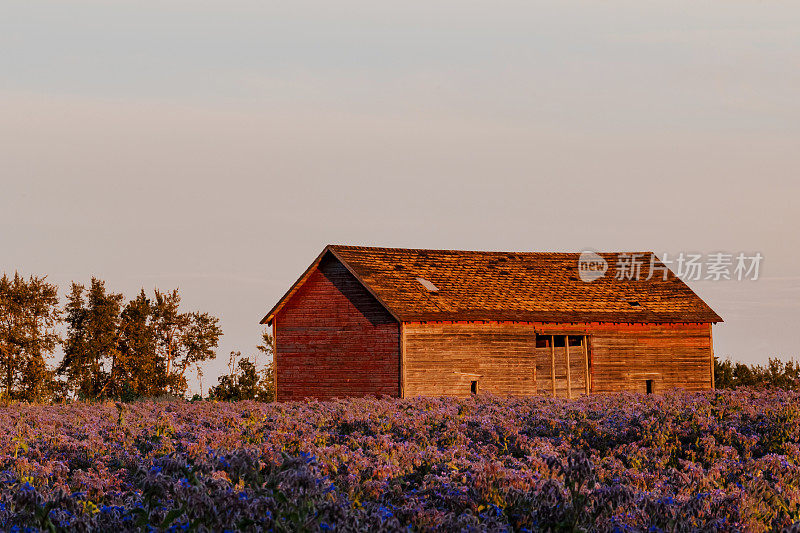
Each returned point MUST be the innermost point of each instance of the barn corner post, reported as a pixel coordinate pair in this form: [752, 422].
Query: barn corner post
[402, 362]
[585, 345]
[713, 361]
[566, 357]
[535, 377]
[275, 357]
[553, 363]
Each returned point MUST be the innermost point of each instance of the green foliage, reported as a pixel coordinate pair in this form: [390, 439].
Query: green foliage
[246, 381]
[111, 350]
[267, 348]
[140, 371]
[182, 339]
[775, 375]
[91, 347]
[28, 317]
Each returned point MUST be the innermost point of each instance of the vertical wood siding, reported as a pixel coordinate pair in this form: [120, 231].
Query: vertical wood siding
[333, 339]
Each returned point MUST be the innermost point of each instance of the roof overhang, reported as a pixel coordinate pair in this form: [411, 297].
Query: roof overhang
[293, 289]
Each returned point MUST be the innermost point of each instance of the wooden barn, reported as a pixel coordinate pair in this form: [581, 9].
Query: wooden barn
[400, 322]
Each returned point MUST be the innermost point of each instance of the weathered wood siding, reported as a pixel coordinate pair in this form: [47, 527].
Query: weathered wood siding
[334, 339]
[443, 359]
[624, 356]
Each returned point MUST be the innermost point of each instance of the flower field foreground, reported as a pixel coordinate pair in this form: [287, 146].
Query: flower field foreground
[721, 461]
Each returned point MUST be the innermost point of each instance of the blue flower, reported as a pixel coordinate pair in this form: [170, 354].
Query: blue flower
[385, 513]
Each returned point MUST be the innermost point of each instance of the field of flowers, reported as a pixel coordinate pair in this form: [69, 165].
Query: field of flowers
[721, 461]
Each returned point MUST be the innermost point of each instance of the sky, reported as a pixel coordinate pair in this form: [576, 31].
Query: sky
[217, 146]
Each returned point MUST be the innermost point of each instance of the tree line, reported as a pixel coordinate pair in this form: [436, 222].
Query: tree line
[112, 348]
[776, 374]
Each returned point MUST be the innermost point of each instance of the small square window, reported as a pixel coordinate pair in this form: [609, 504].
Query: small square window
[542, 341]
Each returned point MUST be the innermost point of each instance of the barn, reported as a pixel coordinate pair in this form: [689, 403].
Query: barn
[411, 322]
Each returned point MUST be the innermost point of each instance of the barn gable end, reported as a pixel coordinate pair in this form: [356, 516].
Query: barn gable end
[335, 338]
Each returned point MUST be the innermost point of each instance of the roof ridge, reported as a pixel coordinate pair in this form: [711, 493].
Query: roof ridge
[450, 250]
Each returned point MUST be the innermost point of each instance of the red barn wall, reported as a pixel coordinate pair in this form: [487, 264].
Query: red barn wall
[334, 339]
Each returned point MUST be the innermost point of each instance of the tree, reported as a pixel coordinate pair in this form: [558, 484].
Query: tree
[244, 381]
[777, 374]
[267, 347]
[140, 371]
[241, 383]
[91, 349]
[140, 350]
[182, 339]
[28, 316]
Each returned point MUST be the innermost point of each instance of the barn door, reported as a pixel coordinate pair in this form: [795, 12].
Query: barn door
[562, 365]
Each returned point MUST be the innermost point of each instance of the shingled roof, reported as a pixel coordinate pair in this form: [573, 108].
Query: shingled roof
[510, 286]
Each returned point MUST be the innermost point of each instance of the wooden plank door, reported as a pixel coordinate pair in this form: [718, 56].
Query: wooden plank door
[562, 366]
[574, 353]
[544, 365]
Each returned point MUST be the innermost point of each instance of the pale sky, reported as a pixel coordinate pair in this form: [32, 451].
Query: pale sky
[218, 146]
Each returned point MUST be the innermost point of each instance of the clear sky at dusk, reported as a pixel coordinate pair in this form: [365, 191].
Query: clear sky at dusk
[218, 146]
